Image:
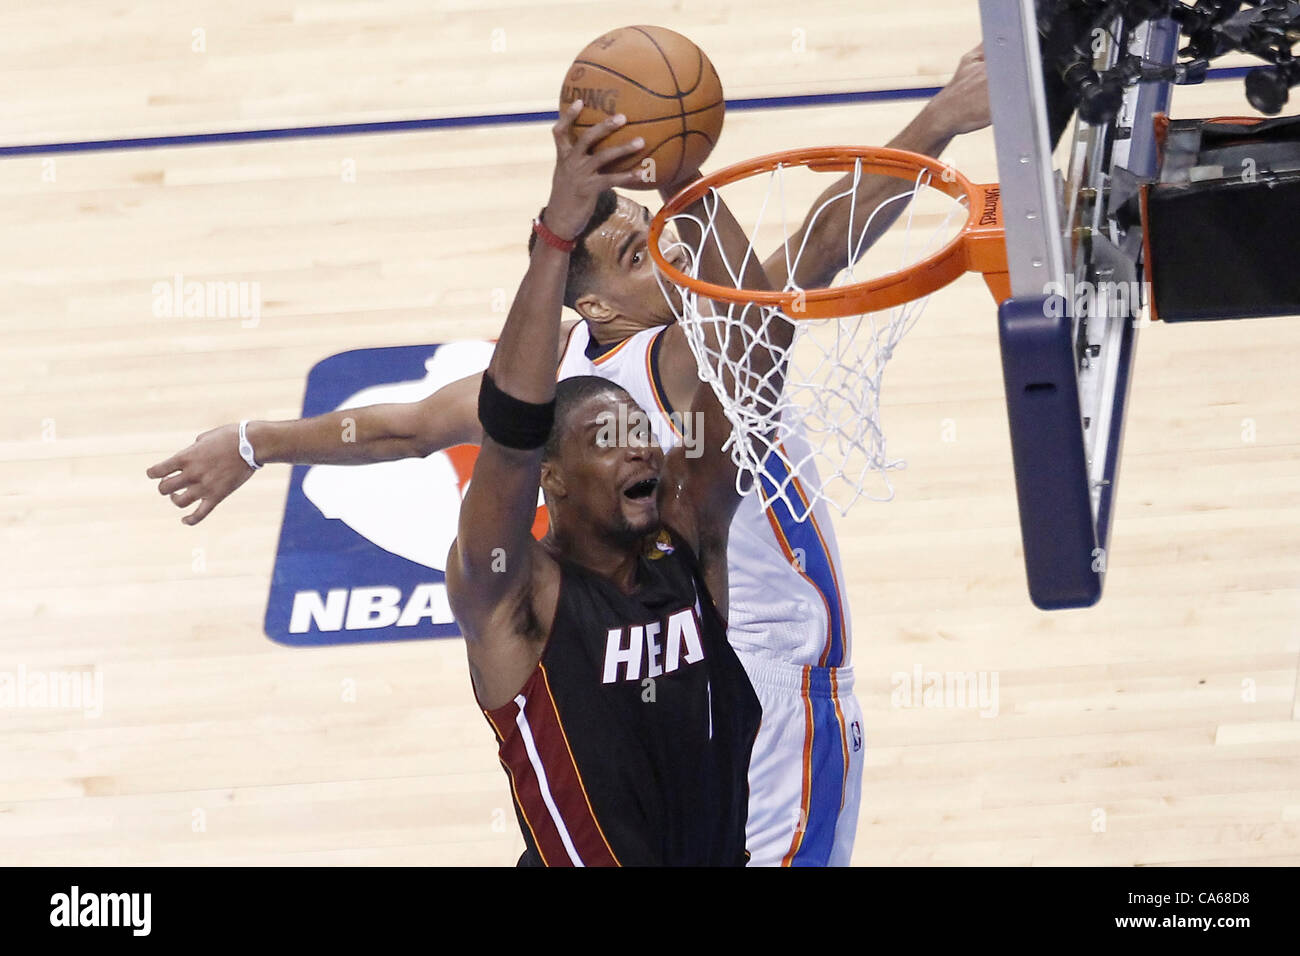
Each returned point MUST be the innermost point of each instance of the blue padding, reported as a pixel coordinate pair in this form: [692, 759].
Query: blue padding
[1056, 523]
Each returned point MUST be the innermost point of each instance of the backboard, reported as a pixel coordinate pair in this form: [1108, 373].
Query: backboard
[1074, 249]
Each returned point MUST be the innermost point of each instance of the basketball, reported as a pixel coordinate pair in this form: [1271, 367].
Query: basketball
[665, 86]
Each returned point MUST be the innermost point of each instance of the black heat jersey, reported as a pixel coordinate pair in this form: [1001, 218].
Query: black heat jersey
[630, 742]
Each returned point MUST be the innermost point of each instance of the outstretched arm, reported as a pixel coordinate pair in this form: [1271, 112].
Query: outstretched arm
[501, 584]
[960, 107]
[211, 468]
[362, 436]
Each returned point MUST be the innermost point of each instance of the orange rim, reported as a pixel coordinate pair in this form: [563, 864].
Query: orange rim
[980, 245]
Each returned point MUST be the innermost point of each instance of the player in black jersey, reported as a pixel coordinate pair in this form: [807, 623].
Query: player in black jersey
[599, 655]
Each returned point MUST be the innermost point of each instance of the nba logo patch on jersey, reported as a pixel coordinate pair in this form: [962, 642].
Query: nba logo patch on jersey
[363, 549]
[855, 730]
[663, 545]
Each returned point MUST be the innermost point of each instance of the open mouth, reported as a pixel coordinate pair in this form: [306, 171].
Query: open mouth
[642, 489]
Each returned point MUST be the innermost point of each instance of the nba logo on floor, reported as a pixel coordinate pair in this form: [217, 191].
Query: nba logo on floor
[363, 549]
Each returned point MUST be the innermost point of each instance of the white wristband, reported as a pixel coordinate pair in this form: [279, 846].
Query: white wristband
[246, 449]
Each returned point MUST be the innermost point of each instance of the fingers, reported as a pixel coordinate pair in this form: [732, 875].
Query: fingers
[614, 153]
[183, 499]
[595, 134]
[632, 179]
[565, 123]
[205, 507]
[176, 482]
[164, 468]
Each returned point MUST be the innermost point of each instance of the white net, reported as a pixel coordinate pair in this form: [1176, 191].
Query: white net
[820, 438]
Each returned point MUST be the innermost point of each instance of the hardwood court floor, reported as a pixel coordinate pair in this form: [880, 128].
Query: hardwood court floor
[1158, 728]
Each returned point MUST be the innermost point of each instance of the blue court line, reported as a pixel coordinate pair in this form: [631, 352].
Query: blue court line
[485, 119]
[441, 122]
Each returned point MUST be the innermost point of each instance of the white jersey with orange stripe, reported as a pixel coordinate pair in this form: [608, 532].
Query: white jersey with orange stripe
[786, 593]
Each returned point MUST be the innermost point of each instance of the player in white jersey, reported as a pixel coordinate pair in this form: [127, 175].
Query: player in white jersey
[788, 620]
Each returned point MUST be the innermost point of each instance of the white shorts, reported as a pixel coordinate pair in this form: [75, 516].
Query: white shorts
[805, 775]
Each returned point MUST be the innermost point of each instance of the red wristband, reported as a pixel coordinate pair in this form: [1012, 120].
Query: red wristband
[551, 239]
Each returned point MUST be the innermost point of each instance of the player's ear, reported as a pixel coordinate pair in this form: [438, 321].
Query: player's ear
[552, 481]
[594, 309]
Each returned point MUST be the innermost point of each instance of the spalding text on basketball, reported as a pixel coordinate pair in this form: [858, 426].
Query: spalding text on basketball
[604, 100]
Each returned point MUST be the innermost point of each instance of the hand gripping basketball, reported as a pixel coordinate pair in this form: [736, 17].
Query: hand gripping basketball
[578, 179]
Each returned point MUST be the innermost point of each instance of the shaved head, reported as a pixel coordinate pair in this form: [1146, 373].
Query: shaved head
[570, 395]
